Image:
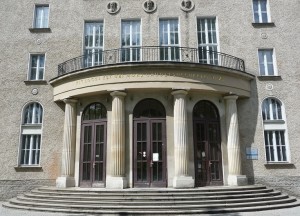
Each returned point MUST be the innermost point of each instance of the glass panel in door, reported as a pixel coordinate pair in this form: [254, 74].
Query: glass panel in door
[157, 152]
[99, 165]
[141, 152]
[87, 153]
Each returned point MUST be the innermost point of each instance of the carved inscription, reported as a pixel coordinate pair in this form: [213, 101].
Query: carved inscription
[197, 76]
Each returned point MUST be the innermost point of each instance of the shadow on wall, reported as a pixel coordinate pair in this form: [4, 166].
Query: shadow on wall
[248, 113]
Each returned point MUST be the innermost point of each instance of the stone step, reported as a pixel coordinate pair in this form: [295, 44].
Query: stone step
[142, 198]
[155, 211]
[153, 190]
[122, 207]
[152, 201]
[142, 193]
[148, 202]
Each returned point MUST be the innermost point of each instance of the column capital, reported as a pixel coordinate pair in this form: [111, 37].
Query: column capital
[70, 100]
[231, 97]
[180, 92]
[118, 93]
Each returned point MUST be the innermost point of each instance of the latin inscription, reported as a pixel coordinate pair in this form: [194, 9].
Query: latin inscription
[197, 76]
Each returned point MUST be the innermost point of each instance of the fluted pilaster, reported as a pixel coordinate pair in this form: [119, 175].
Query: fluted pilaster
[118, 134]
[181, 141]
[68, 150]
[233, 143]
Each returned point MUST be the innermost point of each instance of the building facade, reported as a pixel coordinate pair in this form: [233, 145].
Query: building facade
[123, 94]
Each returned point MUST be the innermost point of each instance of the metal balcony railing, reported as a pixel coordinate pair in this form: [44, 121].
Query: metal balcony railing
[150, 54]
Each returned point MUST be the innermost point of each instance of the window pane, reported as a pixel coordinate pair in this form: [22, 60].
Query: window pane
[41, 17]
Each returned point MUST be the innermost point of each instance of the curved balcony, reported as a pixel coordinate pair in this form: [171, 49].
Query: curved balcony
[151, 54]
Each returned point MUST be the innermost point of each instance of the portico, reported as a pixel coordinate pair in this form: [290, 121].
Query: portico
[166, 128]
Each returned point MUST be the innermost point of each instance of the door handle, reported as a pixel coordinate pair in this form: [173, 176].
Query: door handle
[151, 163]
[94, 165]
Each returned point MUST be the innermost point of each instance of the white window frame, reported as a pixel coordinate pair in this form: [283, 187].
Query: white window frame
[265, 63]
[44, 19]
[260, 12]
[133, 49]
[30, 129]
[211, 58]
[38, 67]
[93, 54]
[275, 124]
[171, 47]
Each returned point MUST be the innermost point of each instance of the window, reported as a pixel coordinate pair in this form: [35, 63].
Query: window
[169, 40]
[93, 40]
[41, 16]
[37, 67]
[276, 142]
[207, 41]
[266, 62]
[31, 130]
[131, 40]
[260, 11]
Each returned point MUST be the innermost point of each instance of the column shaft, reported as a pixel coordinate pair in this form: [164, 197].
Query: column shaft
[233, 143]
[181, 180]
[68, 150]
[116, 178]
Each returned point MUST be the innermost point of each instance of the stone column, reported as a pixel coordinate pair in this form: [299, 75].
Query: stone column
[235, 177]
[117, 179]
[181, 157]
[68, 152]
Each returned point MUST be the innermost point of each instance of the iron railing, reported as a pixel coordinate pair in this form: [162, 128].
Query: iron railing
[150, 54]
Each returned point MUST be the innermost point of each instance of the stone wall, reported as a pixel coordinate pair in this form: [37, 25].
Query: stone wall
[11, 188]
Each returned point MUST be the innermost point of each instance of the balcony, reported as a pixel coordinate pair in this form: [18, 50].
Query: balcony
[151, 54]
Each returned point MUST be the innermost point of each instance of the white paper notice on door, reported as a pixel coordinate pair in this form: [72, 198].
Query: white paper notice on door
[155, 157]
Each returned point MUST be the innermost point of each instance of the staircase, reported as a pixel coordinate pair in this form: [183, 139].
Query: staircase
[152, 201]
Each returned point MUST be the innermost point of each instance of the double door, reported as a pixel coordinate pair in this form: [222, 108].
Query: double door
[207, 148]
[149, 153]
[92, 160]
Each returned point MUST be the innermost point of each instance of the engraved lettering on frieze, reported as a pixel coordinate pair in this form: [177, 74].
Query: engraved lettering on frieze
[151, 75]
[149, 6]
[187, 5]
[113, 7]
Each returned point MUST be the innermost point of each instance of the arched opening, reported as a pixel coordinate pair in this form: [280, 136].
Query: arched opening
[93, 146]
[207, 144]
[149, 147]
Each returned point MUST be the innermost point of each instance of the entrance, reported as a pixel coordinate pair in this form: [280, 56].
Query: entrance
[93, 146]
[207, 145]
[149, 148]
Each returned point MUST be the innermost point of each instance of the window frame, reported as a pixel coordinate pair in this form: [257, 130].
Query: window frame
[265, 63]
[37, 68]
[260, 19]
[30, 129]
[171, 47]
[275, 125]
[208, 45]
[99, 48]
[131, 47]
[34, 24]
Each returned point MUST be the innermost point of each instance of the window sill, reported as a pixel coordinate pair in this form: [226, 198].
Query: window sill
[263, 25]
[279, 121]
[267, 78]
[36, 82]
[28, 168]
[284, 165]
[40, 30]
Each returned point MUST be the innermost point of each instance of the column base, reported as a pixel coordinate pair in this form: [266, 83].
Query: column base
[183, 182]
[116, 182]
[237, 180]
[64, 182]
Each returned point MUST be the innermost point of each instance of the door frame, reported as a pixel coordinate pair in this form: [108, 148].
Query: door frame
[92, 183]
[149, 148]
